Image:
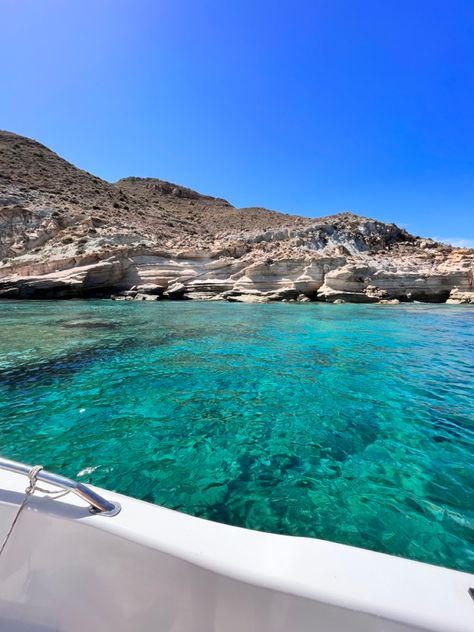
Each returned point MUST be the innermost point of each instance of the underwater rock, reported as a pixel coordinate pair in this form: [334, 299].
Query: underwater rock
[89, 324]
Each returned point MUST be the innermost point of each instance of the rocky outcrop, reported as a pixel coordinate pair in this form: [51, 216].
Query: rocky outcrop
[406, 280]
[98, 279]
[65, 233]
[458, 297]
[242, 279]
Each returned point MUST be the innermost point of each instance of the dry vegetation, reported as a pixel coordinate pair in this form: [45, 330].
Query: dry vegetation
[35, 178]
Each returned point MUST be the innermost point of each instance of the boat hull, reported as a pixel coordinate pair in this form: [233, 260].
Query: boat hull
[149, 568]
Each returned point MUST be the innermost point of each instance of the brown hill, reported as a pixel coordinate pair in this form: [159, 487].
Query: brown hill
[65, 232]
[35, 178]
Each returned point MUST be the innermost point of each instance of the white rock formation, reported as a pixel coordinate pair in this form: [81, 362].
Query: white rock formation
[66, 233]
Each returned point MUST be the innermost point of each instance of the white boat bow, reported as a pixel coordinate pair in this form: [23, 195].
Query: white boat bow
[148, 568]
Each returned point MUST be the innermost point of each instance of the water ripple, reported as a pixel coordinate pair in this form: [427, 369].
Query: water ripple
[353, 424]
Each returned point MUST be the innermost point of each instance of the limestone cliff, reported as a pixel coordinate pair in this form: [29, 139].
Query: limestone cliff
[66, 233]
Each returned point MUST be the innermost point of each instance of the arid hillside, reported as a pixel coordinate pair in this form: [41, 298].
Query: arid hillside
[66, 233]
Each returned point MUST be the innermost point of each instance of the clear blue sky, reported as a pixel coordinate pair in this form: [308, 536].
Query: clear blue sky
[308, 106]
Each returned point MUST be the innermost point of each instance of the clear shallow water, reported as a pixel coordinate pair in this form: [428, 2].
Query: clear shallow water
[352, 423]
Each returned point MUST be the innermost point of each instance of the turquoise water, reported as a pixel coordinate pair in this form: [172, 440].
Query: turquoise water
[352, 423]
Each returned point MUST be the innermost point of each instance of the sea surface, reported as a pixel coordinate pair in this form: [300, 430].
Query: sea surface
[351, 423]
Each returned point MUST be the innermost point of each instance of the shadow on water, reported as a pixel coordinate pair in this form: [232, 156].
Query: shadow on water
[62, 367]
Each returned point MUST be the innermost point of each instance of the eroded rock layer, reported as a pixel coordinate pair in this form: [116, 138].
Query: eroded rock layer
[65, 233]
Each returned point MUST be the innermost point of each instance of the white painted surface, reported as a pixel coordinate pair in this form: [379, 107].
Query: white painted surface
[150, 569]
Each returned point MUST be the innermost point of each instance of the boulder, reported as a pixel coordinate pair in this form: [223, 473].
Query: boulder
[131, 293]
[150, 288]
[458, 297]
[146, 297]
[301, 298]
[175, 291]
[248, 298]
[332, 296]
[288, 293]
[375, 292]
[10, 292]
[117, 297]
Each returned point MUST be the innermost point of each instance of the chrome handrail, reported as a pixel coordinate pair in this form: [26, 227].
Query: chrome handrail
[99, 505]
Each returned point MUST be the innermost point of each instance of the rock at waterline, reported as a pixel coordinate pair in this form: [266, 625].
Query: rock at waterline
[175, 291]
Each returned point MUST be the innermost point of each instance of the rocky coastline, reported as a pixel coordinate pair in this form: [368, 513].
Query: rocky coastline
[66, 234]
